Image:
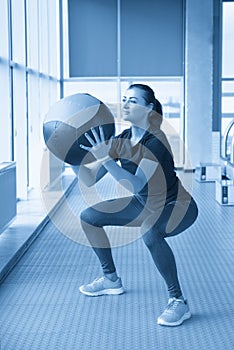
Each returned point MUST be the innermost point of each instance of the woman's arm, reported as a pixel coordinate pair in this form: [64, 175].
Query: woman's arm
[91, 173]
[132, 182]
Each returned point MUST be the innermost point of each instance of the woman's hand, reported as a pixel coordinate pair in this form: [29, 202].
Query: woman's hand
[99, 146]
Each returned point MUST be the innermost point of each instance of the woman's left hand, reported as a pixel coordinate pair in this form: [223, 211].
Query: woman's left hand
[99, 146]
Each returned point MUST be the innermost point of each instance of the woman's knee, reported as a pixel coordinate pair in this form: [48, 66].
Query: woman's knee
[93, 217]
[151, 238]
[86, 216]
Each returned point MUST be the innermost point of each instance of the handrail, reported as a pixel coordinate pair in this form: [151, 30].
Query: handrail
[232, 151]
[225, 138]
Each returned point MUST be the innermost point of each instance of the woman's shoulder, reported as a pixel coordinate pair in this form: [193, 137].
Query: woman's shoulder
[156, 142]
[152, 137]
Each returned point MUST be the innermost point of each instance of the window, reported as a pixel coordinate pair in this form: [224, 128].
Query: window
[29, 73]
[227, 124]
[104, 68]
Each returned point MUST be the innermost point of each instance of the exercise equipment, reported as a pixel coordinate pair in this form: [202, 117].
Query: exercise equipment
[67, 121]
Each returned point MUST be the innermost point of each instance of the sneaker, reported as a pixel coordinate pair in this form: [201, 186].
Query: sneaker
[176, 312]
[102, 286]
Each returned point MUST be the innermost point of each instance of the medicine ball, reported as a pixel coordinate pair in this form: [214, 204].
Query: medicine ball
[67, 121]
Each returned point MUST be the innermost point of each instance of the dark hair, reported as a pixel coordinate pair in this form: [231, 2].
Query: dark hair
[149, 96]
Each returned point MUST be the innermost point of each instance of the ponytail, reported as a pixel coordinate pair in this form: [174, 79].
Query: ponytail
[157, 107]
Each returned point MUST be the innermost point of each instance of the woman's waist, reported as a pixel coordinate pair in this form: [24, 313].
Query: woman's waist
[160, 199]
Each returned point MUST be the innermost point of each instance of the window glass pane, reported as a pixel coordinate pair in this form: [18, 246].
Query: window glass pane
[5, 117]
[227, 122]
[53, 34]
[20, 131]
[18, 31]
[151, 35]
[228, 40]
[92, 38]
[228, 99]
[32, 34]
[65, 39]
[4, 42]
[227, 116]
[54, 87]
[42, 90]
[27, 92]
[106, 91]
[35, 134]
[43, 37]
[42, 93]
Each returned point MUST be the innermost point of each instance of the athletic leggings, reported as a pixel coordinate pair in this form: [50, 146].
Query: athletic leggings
[129, 211]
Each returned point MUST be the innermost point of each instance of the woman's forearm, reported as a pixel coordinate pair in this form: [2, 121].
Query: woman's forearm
[91, 173]
[130, 181]
[84, 174]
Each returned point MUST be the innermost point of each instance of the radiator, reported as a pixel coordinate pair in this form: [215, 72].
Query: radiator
[7, 193]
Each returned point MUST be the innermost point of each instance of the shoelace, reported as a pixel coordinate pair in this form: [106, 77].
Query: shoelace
[172, 304]
[98, 280]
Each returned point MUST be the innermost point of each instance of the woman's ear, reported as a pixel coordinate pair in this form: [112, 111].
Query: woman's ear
[151, 106]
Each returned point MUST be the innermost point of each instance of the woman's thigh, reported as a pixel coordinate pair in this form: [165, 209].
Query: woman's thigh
[125, 211]
[177, 217]
[173, 219]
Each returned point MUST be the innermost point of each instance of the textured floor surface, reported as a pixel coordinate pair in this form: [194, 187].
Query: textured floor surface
[41, 307]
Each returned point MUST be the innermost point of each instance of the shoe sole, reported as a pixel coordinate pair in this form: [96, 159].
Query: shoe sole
[186, 316]
[113, 291]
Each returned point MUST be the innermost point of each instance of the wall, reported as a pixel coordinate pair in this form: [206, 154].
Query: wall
[198, 81]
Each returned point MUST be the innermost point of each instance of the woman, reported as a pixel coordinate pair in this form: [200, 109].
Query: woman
[159, 204]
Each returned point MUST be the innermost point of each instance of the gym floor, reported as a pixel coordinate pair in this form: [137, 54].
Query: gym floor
[41, 307]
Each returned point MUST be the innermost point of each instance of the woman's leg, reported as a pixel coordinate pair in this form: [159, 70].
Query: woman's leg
[115, 212]
[184, 216]
[99, 242]
[164, 260]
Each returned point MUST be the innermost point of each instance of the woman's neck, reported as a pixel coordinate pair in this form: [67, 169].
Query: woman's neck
[136, 134]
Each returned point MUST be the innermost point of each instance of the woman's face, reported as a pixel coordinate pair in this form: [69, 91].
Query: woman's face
[135, 108]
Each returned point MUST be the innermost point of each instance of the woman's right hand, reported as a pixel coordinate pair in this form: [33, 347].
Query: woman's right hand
[99, 146]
